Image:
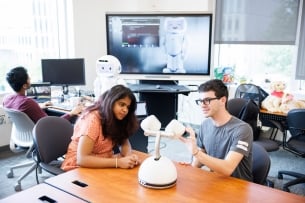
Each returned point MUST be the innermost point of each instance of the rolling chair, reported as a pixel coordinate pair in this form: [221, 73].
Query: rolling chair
[255, 93]
[52, 135]
[248, 111]
[260, 165]
[295, 144]
[21, 138]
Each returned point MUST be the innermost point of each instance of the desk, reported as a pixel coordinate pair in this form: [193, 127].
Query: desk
[274, 120]
[193, 185]
[42, 193]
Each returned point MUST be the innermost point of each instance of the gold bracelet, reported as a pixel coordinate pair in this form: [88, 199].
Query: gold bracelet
[116, 162]
[194, 154]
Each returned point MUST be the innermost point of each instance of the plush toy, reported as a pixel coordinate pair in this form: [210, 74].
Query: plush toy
[175, 44]
[288, 103]
[273, 102]
[279, 100]
[108, 68]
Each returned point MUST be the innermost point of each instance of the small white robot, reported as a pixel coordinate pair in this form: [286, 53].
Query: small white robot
[108, 68]
[175, 44]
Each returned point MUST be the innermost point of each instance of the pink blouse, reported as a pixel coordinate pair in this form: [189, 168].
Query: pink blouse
[89, 125]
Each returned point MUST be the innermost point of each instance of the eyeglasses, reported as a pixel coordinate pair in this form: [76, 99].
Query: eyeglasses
[205, 101]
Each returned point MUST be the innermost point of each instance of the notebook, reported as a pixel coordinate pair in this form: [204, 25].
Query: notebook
[41, 92]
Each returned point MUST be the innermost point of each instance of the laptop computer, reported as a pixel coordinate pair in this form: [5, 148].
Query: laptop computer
[41, 92]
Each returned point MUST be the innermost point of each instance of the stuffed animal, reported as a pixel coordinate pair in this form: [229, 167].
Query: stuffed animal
[279, 100]
[273, 101]
[288, 103]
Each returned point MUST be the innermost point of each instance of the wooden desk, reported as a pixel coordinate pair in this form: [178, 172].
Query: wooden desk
[42, 193]
[193, 185]
[277, 116]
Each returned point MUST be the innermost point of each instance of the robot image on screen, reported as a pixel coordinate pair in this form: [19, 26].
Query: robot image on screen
[108, 68]
[156, 171]
[175, 44]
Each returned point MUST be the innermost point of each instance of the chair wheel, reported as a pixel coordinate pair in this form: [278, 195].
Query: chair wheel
[17, 187]
[10, 174]
[280, 176]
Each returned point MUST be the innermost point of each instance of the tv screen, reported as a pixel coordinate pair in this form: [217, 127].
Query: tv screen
[162, 46]
[63, 72]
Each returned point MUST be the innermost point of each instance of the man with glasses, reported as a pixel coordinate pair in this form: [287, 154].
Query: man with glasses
[224, 143]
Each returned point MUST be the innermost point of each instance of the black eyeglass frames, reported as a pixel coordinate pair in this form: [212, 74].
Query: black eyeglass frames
[205, 101]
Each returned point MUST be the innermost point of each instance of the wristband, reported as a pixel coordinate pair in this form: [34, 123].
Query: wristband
[116, 162]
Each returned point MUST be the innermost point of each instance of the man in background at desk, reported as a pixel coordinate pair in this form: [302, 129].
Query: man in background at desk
[19, 80]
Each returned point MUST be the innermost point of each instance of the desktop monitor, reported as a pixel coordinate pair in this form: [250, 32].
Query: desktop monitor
[63, 72]
[161, 46]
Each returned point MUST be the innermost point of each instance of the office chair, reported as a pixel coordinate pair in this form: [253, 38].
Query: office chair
[295, 144]
[21, 138]
[260, 165]
[248, 111]
[52, 136]
[257, 94]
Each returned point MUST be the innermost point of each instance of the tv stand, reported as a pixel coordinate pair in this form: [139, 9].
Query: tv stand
[161, 98]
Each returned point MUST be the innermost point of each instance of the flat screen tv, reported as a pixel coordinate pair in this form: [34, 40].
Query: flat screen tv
[161, 46]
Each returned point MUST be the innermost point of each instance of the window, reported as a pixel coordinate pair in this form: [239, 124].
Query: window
[33, 30]
[258, 39]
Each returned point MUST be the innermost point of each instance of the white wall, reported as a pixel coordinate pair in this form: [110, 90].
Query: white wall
[90, 27]
[90, 40]
[5, 127]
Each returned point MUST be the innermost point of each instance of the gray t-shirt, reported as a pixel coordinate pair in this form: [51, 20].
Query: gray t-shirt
[235, 135]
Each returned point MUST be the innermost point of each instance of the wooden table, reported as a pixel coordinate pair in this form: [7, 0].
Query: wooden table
[42, 193]
[193, 185]
[275, 120]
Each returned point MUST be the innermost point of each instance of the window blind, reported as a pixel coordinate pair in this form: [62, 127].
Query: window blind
[300, 69]
[256, 22]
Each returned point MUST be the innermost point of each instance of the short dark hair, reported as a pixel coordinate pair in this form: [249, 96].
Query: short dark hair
[216, 86]
[17, 77]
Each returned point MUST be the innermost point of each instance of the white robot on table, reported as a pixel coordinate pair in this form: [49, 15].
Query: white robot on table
[108, 68]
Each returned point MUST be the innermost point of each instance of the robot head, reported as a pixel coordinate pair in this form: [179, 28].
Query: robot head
[108, 66]
[175, 25]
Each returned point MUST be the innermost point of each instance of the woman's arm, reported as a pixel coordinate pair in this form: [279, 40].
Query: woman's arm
[85, 158]
[126, 148]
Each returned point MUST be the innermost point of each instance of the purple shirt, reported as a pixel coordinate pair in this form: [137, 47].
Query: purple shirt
[26, 105]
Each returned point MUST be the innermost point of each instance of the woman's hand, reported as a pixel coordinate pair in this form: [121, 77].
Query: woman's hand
[129, 161]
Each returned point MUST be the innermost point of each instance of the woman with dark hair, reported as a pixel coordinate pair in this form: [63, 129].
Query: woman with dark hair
[106, 124]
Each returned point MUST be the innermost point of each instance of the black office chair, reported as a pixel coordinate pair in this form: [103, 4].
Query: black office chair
[257, 94]
[52, 136]
[261, 165]
[295, 144]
